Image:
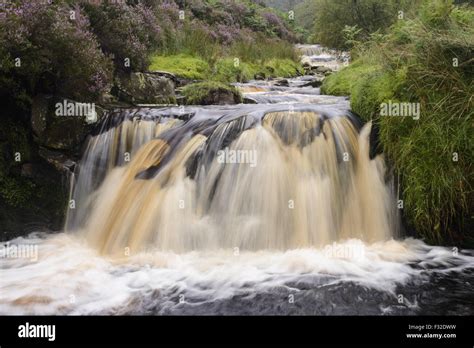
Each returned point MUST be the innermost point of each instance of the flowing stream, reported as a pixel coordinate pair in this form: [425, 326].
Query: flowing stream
[266, 208]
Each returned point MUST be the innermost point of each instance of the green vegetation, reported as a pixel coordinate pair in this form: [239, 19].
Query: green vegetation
[427, 60]
[238, 62]
[208, 92]
[182, 65]
[225, 69]
[340, 20]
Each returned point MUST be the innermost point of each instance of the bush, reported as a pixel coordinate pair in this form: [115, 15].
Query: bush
[126, 32]
[332, 16]
[57, 52]
[414, 63]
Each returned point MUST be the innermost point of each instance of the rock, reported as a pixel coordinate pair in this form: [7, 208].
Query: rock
[107, 99]
[259, 76]
[145, 88]
[282, 83]
[62, 124]
[60, 161]
[314, 84]
[211, 93]
[248, 100]
[166, 74]
[322, 69]
[36, 194]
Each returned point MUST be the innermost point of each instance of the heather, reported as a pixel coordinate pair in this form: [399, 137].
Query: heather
[75, 48]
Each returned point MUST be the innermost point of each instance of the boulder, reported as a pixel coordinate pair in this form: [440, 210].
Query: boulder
[313, 83]
[145, 88]
[322, 69]
[282, 83]
[259, 76]
[211, 93]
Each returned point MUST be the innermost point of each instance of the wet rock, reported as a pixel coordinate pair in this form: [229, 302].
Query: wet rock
[282, 83]
[322, 69]
[211, 93]
[313, 83]
[259, 76]
[248, 100]
[145, 88]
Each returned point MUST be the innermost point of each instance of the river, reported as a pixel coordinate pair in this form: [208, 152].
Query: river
[272, 207]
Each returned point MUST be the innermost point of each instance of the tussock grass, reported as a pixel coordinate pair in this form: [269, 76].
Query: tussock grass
[432, 155]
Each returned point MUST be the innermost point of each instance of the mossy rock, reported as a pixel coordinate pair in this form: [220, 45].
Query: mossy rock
[181, 65]
[211, 93]
[62, 124]
[145, 88]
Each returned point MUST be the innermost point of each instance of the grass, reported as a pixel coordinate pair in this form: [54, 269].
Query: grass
[225, 69]
[182, 65]
[433, 156]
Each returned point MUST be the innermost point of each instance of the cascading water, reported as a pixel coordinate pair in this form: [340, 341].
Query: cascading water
[306, 180]
[231, 209]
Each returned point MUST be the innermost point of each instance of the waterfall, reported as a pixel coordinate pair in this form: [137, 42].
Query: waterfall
[249, 177]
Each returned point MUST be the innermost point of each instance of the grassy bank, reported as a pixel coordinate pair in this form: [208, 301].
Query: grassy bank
[225, 69]
[425, 60]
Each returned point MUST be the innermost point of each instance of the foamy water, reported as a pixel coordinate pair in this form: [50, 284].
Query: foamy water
[71, 278]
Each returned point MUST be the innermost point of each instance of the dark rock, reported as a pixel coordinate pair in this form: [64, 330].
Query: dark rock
[34, 193]
[314, 84]
[248, 100]
[259, 76]
[59, 160]
[282, 83]
[145, 88]
[220, 97]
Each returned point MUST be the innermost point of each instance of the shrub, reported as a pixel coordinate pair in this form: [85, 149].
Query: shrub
[332, 16]
[126, 32]
[57, 52]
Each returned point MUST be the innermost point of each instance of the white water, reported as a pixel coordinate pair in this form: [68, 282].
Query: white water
[72, 278]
